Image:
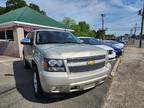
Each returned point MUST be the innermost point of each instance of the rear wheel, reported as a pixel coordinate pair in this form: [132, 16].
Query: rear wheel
[36, 83]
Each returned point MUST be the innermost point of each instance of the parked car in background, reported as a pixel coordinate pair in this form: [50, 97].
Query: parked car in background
[125, 42]
[61, 64]
[118, 50]
[115, 44]
[98, 43]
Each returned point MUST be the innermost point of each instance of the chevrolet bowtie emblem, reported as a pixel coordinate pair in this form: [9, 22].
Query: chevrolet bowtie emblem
[92, 62]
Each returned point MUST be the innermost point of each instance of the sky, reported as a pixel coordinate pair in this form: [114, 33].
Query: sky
[120, 15]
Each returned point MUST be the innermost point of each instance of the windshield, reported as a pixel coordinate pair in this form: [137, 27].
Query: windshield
[91, 41]
[46, 37]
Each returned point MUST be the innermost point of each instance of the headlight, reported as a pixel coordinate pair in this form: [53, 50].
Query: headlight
[54, 65]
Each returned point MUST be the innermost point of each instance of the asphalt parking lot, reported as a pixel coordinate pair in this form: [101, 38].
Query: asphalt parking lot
[21, 96]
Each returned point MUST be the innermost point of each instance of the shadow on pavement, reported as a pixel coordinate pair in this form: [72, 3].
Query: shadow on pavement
[23, 79]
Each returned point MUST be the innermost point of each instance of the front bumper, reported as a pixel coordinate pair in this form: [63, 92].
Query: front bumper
[64, 82]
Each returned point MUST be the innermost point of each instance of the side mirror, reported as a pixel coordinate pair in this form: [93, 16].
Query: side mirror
[26, 41]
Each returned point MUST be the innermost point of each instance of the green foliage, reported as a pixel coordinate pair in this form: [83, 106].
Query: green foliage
[14, 4]
[34, 6]
[84, 27]
[80, 29]
[2, 10]
[100, 34]
[37, 8]
[112, 36]
[69, 22]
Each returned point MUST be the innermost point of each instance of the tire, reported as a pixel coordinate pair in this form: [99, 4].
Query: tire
[37, 89]
[26, 65]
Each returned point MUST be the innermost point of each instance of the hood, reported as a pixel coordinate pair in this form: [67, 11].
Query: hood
[105, 47]
[64, 51]
[119, 45]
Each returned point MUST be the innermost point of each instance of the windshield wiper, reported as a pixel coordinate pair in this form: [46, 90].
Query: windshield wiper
[73, 42]
[52, 43]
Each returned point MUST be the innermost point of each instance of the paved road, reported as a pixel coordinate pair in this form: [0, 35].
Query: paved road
[13, 73]
[127, 88]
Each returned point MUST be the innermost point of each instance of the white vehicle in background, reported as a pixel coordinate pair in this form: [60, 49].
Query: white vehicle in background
[93, 41]
[115, 44]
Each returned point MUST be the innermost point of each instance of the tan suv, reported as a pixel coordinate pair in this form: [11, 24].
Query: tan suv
[61, 63]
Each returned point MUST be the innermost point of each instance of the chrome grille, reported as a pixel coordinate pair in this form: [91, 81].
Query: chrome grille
[81, 64]
[86, 68]
[82, 59]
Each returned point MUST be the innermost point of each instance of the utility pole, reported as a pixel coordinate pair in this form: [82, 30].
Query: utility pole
[141, 12]
[102, 15]
[135, 29]
[131, 31]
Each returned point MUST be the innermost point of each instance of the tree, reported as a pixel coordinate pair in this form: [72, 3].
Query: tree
[69, 22]
[14, 4]
[37, 8]
[110, 36]
[80, 29]
[84, 27]
[2, 10]
[92, 33]
[100, 34]
[43, 12]
[34, 6]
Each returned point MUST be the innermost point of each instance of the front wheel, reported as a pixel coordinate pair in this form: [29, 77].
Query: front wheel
[26, 65]
[36, 83]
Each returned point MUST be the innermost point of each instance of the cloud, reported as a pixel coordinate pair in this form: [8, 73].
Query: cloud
[124, 25]
[87, 10]
[2, 2]
[124, 4]
[90, 10]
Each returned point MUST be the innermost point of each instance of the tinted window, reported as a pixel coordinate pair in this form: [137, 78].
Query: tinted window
[45, 37]
[91, 41]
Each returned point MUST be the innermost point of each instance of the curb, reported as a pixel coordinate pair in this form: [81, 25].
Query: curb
[113, 73]
[115, 67]
[10, 60]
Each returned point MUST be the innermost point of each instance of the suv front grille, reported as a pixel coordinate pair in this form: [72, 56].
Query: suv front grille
[81, 64]
[86, 68]
[82, 59]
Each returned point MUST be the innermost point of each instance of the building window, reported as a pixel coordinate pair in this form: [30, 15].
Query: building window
[2, 35]
[7, 35]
